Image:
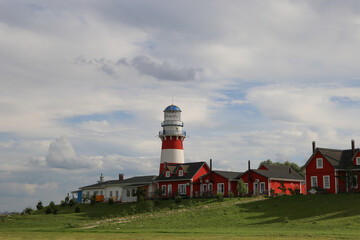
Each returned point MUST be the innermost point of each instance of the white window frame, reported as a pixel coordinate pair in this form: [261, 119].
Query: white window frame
[318, 160]
[210, 187]
[110, 193]
[324, 185]
[314, 177]
[221, 186]
[182, 188]
[163, 189]
[167, 174]
[247, 187]
[204, 188]
[181, 173]
[261, 191]
[357, 185]
[358, 161]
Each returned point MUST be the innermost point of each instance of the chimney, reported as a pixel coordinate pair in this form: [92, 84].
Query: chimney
[353, 146]
[210, 170]
[313, 146]
[121, 176]
[249, 175]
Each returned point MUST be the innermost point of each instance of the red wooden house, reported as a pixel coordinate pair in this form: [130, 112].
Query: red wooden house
[269, 179]
[217, 181]
[181, 179]
[333, 170]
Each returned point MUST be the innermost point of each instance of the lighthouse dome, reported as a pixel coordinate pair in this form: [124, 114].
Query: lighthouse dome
[172, 108]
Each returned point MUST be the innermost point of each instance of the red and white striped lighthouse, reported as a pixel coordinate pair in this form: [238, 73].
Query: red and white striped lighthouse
[172, 137]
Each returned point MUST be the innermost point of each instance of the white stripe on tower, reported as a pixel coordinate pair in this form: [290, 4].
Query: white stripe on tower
[172, 137]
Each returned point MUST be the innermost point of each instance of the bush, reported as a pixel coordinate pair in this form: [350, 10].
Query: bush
[93, 199]
[48, 210]
[77, 209]
[111, 201]
[52, 204]
[242, 188]
[231, 195]
[219, 197]
[39, 205]
[67, 198]
[72, 202]
[28, 210]
[178, 199]
[54, 211]
[63, 203]
[131, 210]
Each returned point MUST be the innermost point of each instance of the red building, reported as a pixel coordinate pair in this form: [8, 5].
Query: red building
[333, 170]
[271, 179]
[181, 179]
[217, 181]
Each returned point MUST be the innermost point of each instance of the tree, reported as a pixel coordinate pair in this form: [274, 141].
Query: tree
[39, 205]
[242, 188]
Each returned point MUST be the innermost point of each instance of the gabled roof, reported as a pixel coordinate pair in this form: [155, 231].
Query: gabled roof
[339, 159]
[277, 172]
[226, 174]
[192, 169]
[125, 182]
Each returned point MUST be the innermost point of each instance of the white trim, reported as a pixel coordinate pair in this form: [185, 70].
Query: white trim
[181, 173]
[181, 187]
[318, 165]
[357, 182]
[305, 182]
[167, 173]
[311, 181]
[326, 187]
[169, 190]
[256, 190]
[247, 187]
[336, 181]
[357, 161]
[262, 184]
[163, 190]
[204, 188]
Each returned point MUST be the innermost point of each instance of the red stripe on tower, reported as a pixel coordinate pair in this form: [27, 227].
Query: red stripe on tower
[172, 137]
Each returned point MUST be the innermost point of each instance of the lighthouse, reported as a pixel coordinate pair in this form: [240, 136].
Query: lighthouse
[172, 137]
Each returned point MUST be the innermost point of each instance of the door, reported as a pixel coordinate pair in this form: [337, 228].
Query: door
[169, 190]
[256, 188]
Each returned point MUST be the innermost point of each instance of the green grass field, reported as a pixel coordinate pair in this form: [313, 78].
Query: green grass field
[286, 217]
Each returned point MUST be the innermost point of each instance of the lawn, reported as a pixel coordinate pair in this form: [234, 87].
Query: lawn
[286, 217]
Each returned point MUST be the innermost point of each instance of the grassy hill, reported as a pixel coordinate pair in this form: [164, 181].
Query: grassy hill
[287, 217]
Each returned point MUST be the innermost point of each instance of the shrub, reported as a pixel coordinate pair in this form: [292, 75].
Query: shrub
[93, 199]
[72, 202]
[111, 201]
[48, 210]
[242, 188]
[67, 198]
[54, 211]
[77, 209]
[52, 204]
[28, 210]
[131, 210]
[231, 195]
[178, 199]
[39, 205]
[63, 203]
[219, 197]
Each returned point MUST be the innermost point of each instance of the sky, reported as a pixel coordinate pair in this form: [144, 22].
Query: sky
[83, 86]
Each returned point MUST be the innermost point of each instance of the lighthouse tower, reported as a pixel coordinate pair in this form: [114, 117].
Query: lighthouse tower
[172, 137]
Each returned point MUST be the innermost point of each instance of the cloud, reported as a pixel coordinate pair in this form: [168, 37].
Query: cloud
[61, 154]
[162, 71]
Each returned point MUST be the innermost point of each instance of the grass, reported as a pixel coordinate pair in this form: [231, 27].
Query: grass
[286, 217]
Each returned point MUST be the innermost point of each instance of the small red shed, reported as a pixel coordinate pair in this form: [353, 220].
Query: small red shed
[217, 181]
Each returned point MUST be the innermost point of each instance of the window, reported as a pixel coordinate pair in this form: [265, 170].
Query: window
[181, 173]
[319, 163]
[355, 181]
[110, 193]
[169, 190]
[204, 188]
[163, 189]
[128, 192]
[117, 194]
[88, 194]
[167, 174]
[220, 188]
[314, 181]
[95, 192]
[182, 188]
[326, 182]
[210, 187]
[101, 193]
[133, 192]
[262, 187]
[358, 161]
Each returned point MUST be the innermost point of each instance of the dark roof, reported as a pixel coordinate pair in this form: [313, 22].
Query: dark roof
[192, 169]
[278, 172]
[226, 174]
[339, 159]
[128, 181]
[172, 108]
